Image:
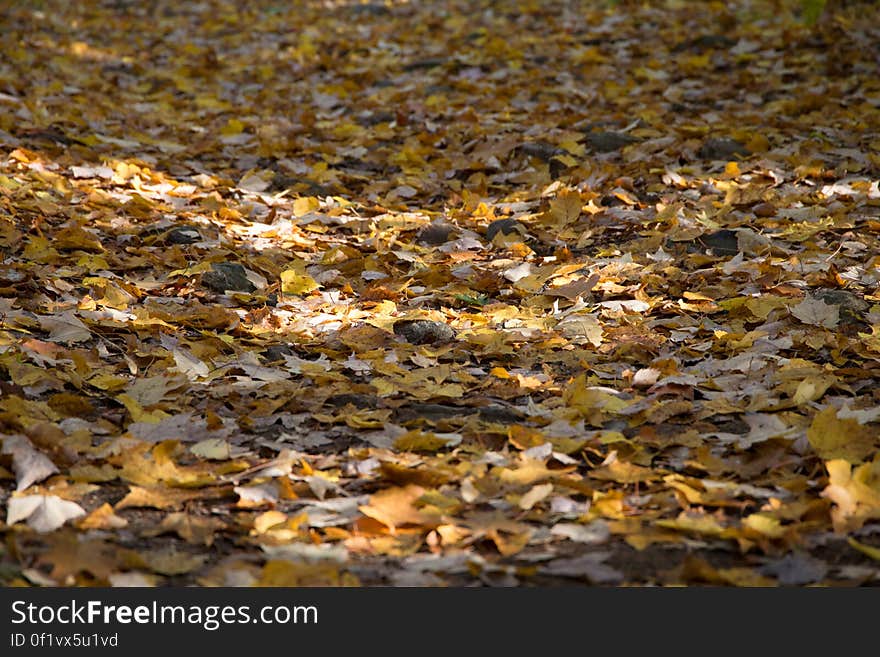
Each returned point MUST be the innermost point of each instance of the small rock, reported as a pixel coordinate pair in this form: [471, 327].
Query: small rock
[540, 149]
[505, 227]
[852, 307]
[720, 243]
[355, 399]
[726, 242]
[280, 183]
[370, 9]
[276, 353]
[227, 276]
[607, 142]
[764, 210]
[706, 42]
[370, 119]
[500, 414]
[610, 201]
[430, 412]
[183, 235]
[423, 331]
[434, 412]
[796, 569]
[422, 64]
[722, 149]
[434, 234]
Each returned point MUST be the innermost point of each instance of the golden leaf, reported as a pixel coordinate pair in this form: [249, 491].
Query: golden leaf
[836, 438]
[395, 507]
[854, 492]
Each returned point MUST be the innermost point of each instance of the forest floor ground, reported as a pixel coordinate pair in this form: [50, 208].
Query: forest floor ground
[507, 293]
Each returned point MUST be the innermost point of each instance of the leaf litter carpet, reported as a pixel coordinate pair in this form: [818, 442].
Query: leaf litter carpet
[439, 293]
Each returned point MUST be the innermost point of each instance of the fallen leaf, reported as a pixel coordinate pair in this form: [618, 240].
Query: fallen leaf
[854, 492]
[395, 507]
[250, 497]
[102, 518]
[836, 438]
[193, 529]
[592, 533]
[167, 561]
[565, 208]
[44, 513]
[817, 313]
[535, 495]
[65, 328]
[156, 497]
[29, 464]
[70, 556]
[288, 573]
[188, 364]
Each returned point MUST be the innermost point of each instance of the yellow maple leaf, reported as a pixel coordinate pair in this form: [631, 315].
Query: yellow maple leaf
[394, 507]
[855, 493]
[293, 282]
[232, 127]
[304, 205]
[836, 438]
[565, 208]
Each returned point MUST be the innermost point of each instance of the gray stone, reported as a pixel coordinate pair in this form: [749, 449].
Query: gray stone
[505, 227]
[227, 276]
[607, 142]
[722, 149]
[423, 331]
[434, 234]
